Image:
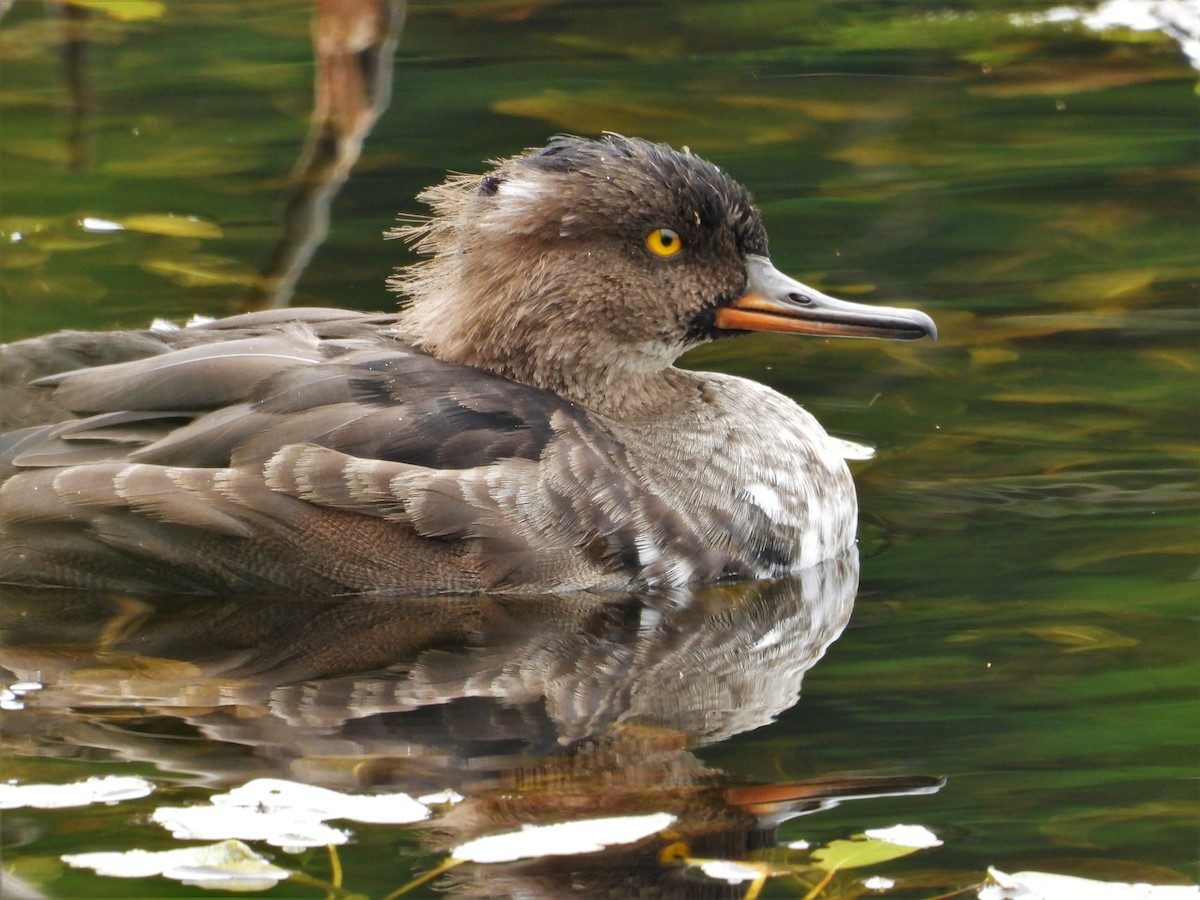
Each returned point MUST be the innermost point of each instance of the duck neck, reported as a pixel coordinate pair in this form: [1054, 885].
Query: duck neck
[580, 362]
[610, 385]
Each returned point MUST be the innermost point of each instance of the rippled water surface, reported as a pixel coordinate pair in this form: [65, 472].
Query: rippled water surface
[1018, 671]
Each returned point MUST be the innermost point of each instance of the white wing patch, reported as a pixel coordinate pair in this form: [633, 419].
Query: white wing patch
[765, 498]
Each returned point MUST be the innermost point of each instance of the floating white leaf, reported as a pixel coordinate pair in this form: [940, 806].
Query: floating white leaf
[279, 828]
[106, 789]
[286, 814]
[729, 871]
[562, 839]
[916, 836]
[229, 865]
[1047, 886]
[322, 803]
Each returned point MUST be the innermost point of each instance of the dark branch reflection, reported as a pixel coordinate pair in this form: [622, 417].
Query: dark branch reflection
[353, 42]
[77, 81]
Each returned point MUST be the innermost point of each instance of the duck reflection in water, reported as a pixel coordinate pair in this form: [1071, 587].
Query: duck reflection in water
[537, 709]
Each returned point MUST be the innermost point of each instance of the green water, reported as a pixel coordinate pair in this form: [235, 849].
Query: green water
[1025, 624]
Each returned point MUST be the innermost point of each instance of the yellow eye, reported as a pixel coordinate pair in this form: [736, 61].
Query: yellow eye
[664, 242]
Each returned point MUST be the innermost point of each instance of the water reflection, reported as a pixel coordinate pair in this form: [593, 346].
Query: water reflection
[353, 42]
[77, 83]
[534, 709]
[444, 679]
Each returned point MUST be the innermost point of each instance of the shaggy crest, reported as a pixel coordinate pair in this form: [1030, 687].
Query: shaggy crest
[522, 196]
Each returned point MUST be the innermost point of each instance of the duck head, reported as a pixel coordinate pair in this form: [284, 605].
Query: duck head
[588, 266]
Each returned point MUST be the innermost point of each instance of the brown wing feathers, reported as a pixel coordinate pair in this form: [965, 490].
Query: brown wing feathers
[313, 449]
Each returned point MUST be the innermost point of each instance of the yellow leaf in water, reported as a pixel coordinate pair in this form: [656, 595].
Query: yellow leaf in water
[503, 11]
[968, 637]
[172, 225]
[858, 290]
[34, 287]
[667, 116]
[1009, 328]
[1182, 359]
[125, 10]
[580, 112]
[1059, 77]
[1108, 222]
[821, 110]
[1080, 829]
[181, 162]
[201, 271]
[649, 47]
[989, 356]
[888, 151]
[1044, 397]
[43, 149]
[1000, 263]
[1154, 543]
[16, 256]
[1127, 285]
[1080, 638]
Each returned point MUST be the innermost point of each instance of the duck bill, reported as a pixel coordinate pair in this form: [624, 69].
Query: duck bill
[774, 302]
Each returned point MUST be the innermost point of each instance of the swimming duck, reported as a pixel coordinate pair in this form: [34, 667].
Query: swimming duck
[519, 425]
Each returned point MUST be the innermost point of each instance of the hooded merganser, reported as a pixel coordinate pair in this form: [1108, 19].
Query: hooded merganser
[519, 425]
